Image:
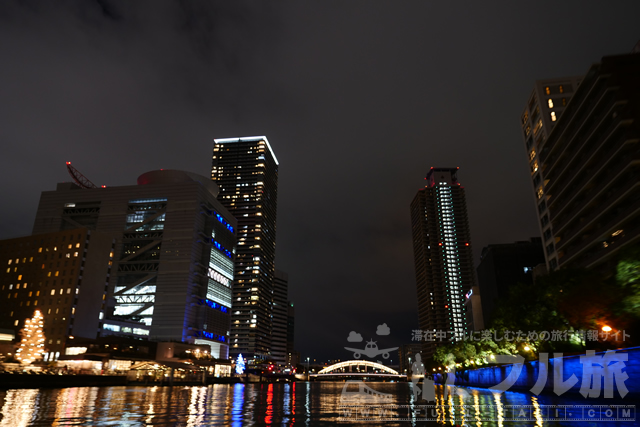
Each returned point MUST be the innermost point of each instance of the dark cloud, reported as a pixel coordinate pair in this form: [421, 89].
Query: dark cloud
[358, 100]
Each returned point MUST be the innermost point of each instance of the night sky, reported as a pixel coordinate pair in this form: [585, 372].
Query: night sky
[357, 98]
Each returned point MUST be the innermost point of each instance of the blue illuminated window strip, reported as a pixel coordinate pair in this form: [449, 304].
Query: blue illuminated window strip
[205, 334]
[214, 305]
[225, 223]
[148, 200]
[222, 249]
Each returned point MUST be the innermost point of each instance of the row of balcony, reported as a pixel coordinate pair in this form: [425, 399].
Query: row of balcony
[601, 129]
[597, 88]
[570, 208]
[571, 142]
[599, 252]
[596, 212]
[613, 222]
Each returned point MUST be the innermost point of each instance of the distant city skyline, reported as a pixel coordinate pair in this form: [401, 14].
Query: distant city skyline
[358, 114]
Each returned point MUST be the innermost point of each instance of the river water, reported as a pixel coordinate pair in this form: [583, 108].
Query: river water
[315, 403]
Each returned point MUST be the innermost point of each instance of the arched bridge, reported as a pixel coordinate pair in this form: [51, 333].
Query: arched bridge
[358, 369]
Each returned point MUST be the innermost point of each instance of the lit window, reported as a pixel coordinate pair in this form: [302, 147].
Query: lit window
[550, 103]
[553, 116]
[561, 89]
[538, 127]
[540, 193]
[547, 90]
[532, 154]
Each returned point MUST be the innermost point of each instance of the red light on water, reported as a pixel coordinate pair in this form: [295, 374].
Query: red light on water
[68, 163]
[103, 186]
[466, 244]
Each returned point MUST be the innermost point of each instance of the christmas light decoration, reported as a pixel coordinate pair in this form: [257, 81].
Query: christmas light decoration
[32, 344]
[239, 365]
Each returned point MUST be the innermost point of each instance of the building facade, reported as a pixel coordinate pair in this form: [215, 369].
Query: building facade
[504, 265]
[293, 356]
[63, 274]
[280, 317]
[246, 171]
[173, 256]
[545, 106]
[585, 170]
[443, 256]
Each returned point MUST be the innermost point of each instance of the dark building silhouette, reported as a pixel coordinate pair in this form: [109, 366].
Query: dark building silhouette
[246, 170]
[443, 256]
[280, 317]
[504, 265]
[406, 356]
[293, 356]
[584, 162]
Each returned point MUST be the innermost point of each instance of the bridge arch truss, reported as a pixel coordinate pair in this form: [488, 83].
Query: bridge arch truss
[335, 368]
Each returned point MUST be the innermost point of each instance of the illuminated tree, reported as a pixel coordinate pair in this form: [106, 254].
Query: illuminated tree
[239, 365]
[32, 344]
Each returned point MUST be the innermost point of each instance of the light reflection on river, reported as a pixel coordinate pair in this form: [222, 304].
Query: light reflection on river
[237, 404]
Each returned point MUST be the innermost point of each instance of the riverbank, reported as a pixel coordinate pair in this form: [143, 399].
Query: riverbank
[44, 380]
[10, 381]
[549, 374]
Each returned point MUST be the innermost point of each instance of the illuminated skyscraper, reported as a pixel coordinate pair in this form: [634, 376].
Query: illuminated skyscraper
[246, 171]
[443, 256]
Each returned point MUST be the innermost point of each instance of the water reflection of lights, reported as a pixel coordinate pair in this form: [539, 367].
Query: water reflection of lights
[150, 397]
[19, 407]
[307, 405]
[536, 412]
[286, 403]
[293, 403]
[72, 403]
[269, 412]
[476, 407]
[196, 405]
[499, 412]
[462, 413]
[238, 404]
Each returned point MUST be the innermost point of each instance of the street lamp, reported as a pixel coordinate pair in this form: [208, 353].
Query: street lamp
[308, 377]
